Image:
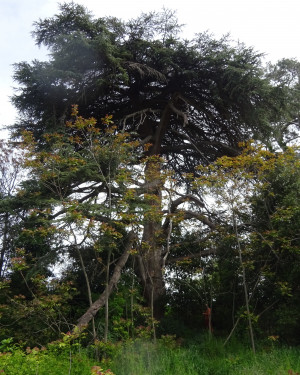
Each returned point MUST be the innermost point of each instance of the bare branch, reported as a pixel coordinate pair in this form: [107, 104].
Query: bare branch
[201, 254]
[142, 114]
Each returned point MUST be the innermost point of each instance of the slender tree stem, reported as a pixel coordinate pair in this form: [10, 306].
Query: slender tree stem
[244, 284]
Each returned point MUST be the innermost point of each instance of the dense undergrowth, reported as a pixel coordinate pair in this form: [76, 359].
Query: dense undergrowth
[200, 356]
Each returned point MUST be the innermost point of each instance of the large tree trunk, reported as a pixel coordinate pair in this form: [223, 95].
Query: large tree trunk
[151, 253]
[151, 270]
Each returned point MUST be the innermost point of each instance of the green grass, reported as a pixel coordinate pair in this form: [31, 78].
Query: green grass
[205, 358]
[199, 357]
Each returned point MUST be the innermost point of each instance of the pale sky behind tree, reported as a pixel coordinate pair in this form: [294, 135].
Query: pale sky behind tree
[270, 26]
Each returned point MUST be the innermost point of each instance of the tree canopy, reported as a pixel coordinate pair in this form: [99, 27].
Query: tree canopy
[192, 99]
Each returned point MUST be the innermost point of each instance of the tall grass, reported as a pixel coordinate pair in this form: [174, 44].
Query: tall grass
[202, 356]
[205, 357]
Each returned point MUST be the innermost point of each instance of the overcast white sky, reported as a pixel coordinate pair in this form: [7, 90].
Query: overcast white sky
[271, 26]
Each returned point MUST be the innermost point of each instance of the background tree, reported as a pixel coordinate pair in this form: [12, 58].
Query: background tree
[276, 213]
[11, 174]
[286, 74]
[257, 195]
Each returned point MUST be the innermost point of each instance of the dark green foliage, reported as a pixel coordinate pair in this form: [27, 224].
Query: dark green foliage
[277, 215]
[214, 94]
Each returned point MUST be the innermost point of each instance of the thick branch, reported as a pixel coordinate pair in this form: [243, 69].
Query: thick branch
[96, 306]
[92, 194]
[179, 113]
[200, 217]
[145, 187]
[186, 198]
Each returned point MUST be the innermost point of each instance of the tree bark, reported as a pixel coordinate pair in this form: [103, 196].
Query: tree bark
[150, 259]
[151, 251]
[100, 302]
[151, 263]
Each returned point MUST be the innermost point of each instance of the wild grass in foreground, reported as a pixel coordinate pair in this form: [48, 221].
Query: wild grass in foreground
[204, 358]
[200, 357]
